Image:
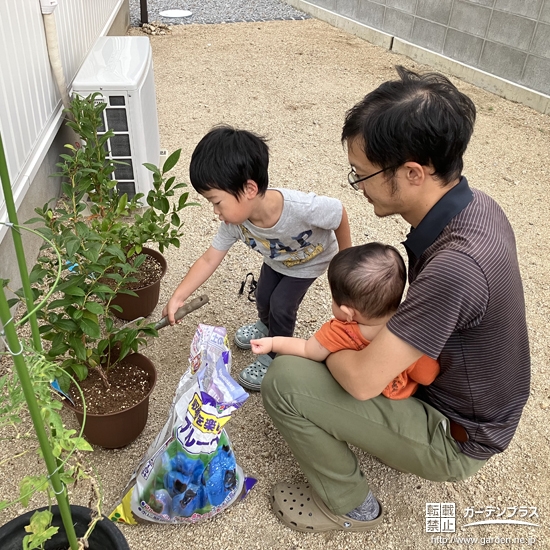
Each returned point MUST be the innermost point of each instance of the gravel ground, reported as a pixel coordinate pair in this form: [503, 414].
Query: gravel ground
[293, 82]
[215, 11]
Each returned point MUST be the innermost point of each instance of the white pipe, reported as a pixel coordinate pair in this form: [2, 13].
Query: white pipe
[48, 7]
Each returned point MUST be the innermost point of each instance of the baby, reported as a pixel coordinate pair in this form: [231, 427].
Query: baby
[366, 283]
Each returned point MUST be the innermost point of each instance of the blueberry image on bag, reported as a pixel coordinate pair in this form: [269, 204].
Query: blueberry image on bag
[222, 477]
[192, 468]
[185, 504]
[175, 483]
[160, 502]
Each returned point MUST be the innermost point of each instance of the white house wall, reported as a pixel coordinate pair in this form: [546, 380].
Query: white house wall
[30, 105]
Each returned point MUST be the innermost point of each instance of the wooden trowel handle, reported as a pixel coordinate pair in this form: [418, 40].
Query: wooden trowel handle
[194, 304]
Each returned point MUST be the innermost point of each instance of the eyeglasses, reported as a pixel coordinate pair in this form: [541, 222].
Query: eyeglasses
[354, 179]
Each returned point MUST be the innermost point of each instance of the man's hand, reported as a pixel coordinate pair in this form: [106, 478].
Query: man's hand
[262, 346]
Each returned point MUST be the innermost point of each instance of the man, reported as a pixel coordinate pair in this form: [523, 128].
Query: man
[464, 307]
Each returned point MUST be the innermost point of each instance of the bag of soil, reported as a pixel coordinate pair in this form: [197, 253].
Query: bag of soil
[189, 473]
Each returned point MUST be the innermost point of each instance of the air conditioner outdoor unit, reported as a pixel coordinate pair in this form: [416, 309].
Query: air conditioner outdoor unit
[121, 69]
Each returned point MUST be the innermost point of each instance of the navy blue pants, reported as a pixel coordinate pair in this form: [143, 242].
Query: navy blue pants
[278, 298]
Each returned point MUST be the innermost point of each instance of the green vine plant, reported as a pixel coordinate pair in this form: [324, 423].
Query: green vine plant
[66, 444]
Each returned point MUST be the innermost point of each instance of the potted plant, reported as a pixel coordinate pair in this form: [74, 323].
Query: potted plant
[85, 338]
[100, 235]
[135, 222]
[26, 385]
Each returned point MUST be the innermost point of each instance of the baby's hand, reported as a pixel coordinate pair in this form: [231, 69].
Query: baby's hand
[261, 346]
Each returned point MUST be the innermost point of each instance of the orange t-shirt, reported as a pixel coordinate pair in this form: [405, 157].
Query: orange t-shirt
[337, 335]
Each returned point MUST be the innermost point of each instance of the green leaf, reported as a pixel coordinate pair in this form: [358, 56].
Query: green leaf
[94, 307]
[164, 205]
[116, 251]
[41, 530]
[123, 201]
[75, 314]
[182, 200]
[66, 324]
[34, 220]
[175, 219]
[81, 229]
[169, 182]
[80, 371]
[78, 347]
[152, 168]
[171, 161]
[75, 291]
[37, 274]
[30, 485]
[58, 351]
[91, 253]
[90, 328]
[103, 288]
[82, 445]
[60, 303]
[44, 328]
[138, 260]
[73, 281]
[71, 246]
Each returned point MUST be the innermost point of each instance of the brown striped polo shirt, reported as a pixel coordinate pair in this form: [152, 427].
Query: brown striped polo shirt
[465, 307]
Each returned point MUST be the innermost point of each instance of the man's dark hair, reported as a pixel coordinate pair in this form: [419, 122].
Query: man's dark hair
[369, 278]
[225, 158]
[419, 118]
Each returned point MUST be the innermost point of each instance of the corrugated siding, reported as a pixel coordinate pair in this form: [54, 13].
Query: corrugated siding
[29, 100]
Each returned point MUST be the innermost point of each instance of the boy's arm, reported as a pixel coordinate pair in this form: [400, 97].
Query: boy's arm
[342, 232]
[309, 349]
[199, 272]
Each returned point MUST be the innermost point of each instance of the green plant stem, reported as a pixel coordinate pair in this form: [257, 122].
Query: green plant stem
[18, 244]
[51, 463]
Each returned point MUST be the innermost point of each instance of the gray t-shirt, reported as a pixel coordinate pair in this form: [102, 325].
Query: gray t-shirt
[301, 243]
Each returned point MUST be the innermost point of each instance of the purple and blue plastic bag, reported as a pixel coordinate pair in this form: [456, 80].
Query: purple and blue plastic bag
[189, 472]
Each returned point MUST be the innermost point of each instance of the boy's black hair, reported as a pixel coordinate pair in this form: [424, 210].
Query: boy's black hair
[419, 118]
[369, 278]
[225, 158]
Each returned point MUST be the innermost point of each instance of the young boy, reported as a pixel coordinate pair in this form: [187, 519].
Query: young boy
[366, 283]
[296, 233]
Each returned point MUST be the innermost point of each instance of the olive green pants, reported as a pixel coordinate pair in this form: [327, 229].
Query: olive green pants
[318, 420]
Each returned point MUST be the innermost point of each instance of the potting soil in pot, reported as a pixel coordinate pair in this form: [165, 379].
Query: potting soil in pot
[189, 473]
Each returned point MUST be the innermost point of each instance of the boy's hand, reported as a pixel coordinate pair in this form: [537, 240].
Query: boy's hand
[261, 346]
[170, 309]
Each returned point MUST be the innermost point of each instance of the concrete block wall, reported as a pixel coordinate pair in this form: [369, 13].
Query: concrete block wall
[506, 38]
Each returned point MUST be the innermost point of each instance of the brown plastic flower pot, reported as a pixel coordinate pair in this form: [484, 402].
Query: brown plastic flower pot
[147, 297]
[118, 429]
[105, 536]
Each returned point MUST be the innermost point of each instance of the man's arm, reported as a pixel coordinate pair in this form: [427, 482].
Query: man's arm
[309, 349]
[364, 374]
[342, 232]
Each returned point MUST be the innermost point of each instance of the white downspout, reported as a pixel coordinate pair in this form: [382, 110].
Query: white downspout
[47, 7]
